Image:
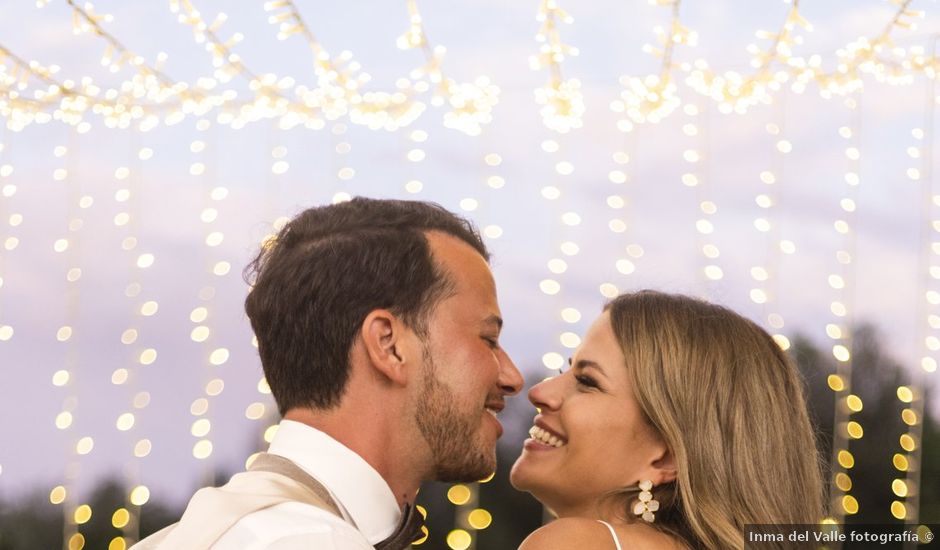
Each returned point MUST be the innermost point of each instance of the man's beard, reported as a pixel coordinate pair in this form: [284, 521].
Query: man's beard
[451, 435]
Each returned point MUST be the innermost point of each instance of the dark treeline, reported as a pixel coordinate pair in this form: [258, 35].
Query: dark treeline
[33, 523]
[875, 379]
[36, 524]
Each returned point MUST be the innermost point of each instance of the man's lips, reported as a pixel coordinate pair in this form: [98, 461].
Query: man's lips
[494, 408]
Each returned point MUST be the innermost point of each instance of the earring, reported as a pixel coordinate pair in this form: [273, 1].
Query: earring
[646, 505]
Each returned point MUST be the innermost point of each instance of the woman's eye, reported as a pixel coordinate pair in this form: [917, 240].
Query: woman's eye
[491, 342]
[586, 381]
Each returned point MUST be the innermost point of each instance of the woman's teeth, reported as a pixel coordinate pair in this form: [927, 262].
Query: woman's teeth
[543, 436]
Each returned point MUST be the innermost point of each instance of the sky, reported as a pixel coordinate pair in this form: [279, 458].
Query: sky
[638, 225]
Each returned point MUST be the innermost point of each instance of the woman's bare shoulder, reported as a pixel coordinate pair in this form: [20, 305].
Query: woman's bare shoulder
[567, 533]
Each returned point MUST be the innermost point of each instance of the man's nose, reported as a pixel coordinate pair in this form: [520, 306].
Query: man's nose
[510, 379]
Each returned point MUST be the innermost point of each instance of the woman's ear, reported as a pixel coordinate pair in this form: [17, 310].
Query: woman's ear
[663, 468]
[384, 337]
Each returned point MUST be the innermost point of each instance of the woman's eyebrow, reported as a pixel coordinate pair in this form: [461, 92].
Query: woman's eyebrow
[588, 364]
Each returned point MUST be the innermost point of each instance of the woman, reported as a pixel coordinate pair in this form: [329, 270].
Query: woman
[678, 423]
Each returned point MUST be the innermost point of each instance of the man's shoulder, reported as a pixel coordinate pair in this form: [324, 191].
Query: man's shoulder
[292, 525]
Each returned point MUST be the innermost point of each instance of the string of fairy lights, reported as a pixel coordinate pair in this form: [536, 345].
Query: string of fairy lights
[75, 514]
[416, 140]
[696, 177]
[128, 198]
[344, 172]
[562, 107]
[5, 330]
[64, 419]
[11, 241]
[764, 274]
[653, 97]
[339, 79]
[203, 169]
[622, 175]
[13, 220]
[146, 97]
[561, 99]
[619, 203]
[839, 330]
[149, 96]
[624, 264]
[906, 459]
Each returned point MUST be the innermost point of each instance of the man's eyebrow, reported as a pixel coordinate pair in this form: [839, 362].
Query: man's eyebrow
[494, 320]
[588, 364]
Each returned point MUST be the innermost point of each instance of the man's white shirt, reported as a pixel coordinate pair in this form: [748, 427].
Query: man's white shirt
[361, 493]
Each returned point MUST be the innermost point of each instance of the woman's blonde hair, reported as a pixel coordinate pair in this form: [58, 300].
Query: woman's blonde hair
[729, 404]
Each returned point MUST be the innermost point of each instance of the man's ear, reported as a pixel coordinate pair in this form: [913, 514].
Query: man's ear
[384, 337]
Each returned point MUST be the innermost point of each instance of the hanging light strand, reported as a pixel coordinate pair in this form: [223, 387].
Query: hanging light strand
[557, 265]
[151, 92]
[620, 202]
[126, 518]
[84, 19]
[61, 98]
[471, 104]
[202, 332]
[562, 110]
[908, 459]
[764, 274]
[695, 156]
[75, 513]
[493, 161]
[340, 77]
[561, 99]
[345, 171]
[161, 92]
[416, 139]
[6, 331]
[143, 98]
[271, 99]
[653, 97]
[735, 92]
[7, 190]
[841, 280]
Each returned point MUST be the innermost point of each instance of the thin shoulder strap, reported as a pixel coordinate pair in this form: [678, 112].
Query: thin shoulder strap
[612, 533]
[266, 462]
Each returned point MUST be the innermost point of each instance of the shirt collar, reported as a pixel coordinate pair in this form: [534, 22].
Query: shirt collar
[356, 485]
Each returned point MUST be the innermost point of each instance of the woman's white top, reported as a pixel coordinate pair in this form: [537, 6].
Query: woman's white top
[612, 533]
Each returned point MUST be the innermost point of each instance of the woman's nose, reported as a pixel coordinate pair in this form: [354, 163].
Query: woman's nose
[548, 393]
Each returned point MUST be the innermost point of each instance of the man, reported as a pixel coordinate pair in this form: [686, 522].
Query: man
[378, 329]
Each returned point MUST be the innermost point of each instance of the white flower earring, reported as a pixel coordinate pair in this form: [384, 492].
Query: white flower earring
[647, 504]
